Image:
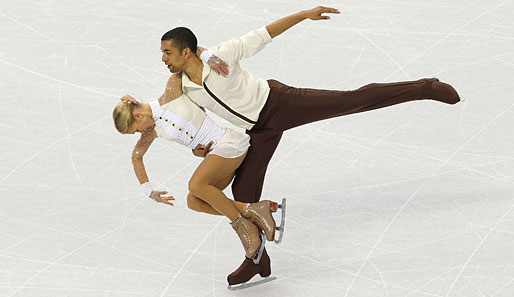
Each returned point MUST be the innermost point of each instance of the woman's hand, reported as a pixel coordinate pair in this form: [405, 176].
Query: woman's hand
[202, 151]
[156, 195]
[218, 65]
[129, 98]
[315, 13]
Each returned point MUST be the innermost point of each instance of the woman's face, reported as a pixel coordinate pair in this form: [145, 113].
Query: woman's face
[141, 124]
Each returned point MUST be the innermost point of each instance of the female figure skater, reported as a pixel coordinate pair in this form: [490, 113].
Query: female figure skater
[175, 117]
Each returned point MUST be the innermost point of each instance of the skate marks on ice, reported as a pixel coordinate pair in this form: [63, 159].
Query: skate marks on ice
[252, 284]
[280, 228]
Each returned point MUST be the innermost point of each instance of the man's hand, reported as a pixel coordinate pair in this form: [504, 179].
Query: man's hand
[202, 151]
[278, 27]
[315, 13]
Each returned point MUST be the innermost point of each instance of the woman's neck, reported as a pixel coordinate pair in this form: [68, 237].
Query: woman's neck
[145, 110]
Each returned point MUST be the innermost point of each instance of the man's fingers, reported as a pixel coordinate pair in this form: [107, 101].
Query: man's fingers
[330, 10]
[327, 10]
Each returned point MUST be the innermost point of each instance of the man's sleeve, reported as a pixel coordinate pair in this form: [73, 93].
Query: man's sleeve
[234, 50]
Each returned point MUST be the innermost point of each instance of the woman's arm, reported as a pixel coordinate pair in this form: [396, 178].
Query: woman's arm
[139, 151]
[139, 167]
[278, 27]
[217, 65]
[173, 89]
[200, 50]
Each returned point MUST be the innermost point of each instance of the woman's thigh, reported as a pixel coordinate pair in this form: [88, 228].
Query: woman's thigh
[223, 183]
[216, 170]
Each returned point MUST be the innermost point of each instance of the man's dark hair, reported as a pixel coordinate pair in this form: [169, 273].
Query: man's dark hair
[181, 37]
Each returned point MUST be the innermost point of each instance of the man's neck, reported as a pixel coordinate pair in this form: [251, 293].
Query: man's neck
[194, 70]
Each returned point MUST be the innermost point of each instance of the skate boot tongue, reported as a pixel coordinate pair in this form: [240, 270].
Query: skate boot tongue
[248, 234]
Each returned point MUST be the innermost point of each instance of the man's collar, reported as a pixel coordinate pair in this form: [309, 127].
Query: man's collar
[187, 83]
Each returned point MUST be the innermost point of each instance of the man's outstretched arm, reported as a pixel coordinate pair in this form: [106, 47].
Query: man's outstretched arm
[254, 41]
[278, 27]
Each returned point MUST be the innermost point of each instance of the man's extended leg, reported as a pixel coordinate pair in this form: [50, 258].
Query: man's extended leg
[298, 106]
[289, 107]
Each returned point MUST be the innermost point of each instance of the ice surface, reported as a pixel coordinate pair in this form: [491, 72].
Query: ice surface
[411, 200]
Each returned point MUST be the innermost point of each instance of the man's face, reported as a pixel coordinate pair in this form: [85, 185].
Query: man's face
[172, 57]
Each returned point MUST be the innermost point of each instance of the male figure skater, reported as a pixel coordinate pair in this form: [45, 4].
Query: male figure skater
[267, 108]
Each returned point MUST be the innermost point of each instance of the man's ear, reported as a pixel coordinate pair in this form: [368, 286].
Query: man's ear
[186, 52]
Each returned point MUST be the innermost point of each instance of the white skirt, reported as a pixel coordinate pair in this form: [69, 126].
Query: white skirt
[232, 144]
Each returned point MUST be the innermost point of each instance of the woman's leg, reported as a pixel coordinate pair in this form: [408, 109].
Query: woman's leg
[197, 204]
[210, 172]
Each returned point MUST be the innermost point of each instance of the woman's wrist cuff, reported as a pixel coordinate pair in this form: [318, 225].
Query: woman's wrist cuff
[147, 189]
[206, 55]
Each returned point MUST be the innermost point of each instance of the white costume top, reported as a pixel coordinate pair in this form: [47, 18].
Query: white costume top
[240, 97]
[182, 121]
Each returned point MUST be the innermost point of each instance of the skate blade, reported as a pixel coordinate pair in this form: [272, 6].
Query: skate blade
[282, 221]
[259, 253]
[252, 284]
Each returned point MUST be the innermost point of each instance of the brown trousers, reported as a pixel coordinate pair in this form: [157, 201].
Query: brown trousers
[288, 107]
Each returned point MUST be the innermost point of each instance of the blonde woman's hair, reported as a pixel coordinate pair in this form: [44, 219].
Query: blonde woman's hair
[122, 115]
